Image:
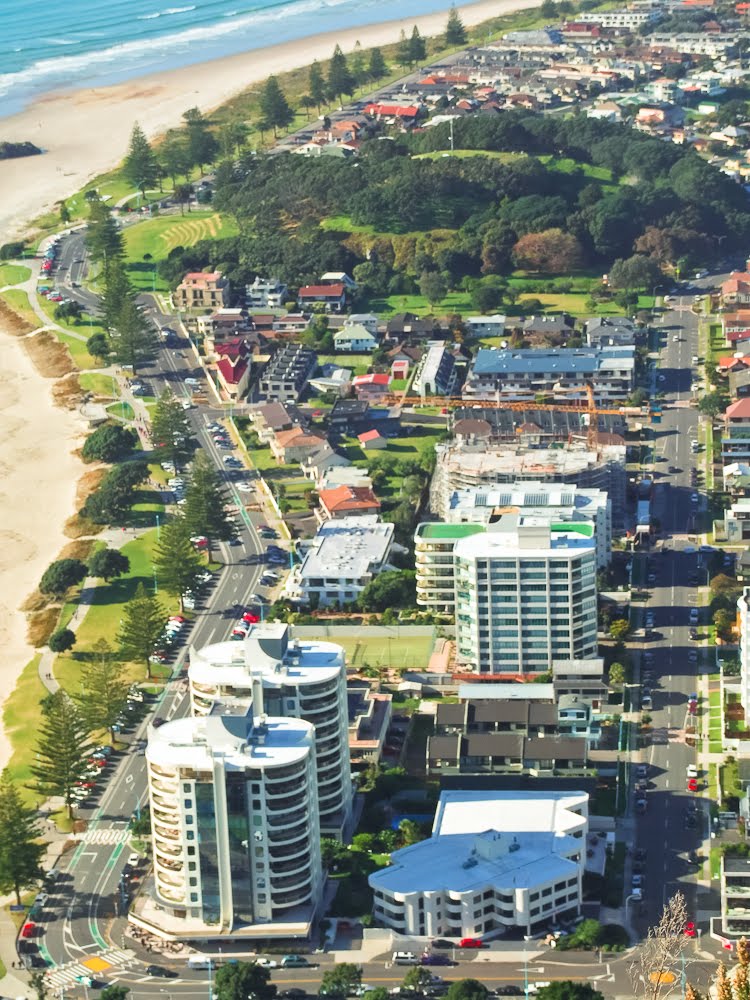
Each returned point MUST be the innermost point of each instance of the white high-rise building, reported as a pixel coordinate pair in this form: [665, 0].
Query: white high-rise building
[291, 678]
[743, 607]
[525, 596]
[234, 818]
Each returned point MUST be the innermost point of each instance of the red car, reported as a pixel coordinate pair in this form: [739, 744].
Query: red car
[28, 930]
[470, 943]
[250, 618]
[690, 930]
[692, 785]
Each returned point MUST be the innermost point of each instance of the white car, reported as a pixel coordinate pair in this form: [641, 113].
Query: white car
[245, 487]
[692, 771]
[133, 860]
[192, 381]
[267, 963]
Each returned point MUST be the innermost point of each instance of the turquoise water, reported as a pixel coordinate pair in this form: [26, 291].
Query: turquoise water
[83, 43]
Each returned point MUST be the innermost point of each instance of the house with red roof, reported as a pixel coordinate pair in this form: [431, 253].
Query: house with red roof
[332, 296]
[295, 444]
[730, 364]
[346, 501]
[735, 442]
[234, 375]
[202, 290]
[399, 112]
[736, 325]
[372, 440]
[371, 386]
[735, 290]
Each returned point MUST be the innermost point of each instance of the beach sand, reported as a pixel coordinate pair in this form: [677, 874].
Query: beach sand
[85, 133]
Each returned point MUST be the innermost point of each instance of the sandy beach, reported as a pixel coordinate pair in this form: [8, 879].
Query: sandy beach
[85, 133]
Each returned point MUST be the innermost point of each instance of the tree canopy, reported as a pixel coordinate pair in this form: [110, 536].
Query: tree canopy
[61, 575]
[21, 850]
[242, 980]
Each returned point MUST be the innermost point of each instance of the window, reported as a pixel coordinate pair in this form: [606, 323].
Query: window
[193, 881]
[190, 835]
[191, 851]
[192, 866]
[188, 803]
[193, 897]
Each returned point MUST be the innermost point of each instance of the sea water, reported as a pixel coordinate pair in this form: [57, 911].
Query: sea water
[85, 43]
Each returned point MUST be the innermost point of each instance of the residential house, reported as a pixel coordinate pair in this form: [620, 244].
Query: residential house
[486, 326]
[291, 323]
[368, 320]
[271, 418]
[355, 337]
[332, 296]
[285, 377]
[555, 328]
[372, 386]
[735, 443]
[339, 278]
[403, 113]
[332, 378]
[735, 291]
[372, 440]
[606, 111]
[610, 331]
[582, 678]
[266, 293]
[736, 325]
[323, 461]
[437, 374]
[344, 475]
[347, 501]
[233, 372]
[295, 445]
[737, 521]
[405, 327]
[405, 353]
[739, 383]
[202, 290]
[347, 416]
[222, 325]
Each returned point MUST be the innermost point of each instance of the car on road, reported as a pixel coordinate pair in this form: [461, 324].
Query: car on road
[295, 962]
[693, 616]
[641, 805]
[470, 942]
[161, 972]
[690, 930]
[692, 785]
[692, 771]
[86, 981]
[430, 958]
[694, 498]
[258, 599]
[28, 930]
[245, 487]
[267, 963]
[192, 381]
[662, 378]
[251, 618]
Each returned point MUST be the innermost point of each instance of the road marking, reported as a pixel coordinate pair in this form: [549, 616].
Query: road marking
[104, 835]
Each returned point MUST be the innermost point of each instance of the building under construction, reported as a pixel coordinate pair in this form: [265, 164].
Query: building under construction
[545, 425]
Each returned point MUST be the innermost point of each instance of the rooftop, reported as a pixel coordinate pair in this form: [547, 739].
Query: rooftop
[561, 360]
[446, 531]
[525, 537]
[460, 812]
[497, 691]
[349, 548]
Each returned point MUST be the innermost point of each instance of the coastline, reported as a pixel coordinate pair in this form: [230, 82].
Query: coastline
[39, 467]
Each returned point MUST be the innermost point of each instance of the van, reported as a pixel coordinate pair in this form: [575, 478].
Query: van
[404, 958]
[199, 962]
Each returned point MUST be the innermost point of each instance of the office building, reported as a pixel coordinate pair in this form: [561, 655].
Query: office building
[290, 678]
[525, 596]
[495, 862]
[234, 820]
[743, 627]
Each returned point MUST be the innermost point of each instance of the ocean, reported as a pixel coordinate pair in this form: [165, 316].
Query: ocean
[91, 43]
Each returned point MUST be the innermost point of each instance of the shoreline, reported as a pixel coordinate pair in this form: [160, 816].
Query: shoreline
[69, 127]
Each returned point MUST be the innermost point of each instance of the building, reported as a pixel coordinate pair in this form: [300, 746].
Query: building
[560, 372]
[462, 465]
[355, 337]
[370, 715]
[582, 678]
[234, 822]
[266, 293]
[610, 331]
[271, 418]
[525, 596]
[222, 326]
[286, 375]
[735, 895]
[436, 373]
[322, 462]
[434, 545]
[743, 628]
[290, 678]
[348, 416]
[296, 445]
[629, 18]
[372, 440]
[202, 290]
[233, 372]
[486, 326]
[735, 442]
[496, 861]
[332, 296]
[368, 320]
[347, 501]
[372, 386]
[345, 555]
[737, 521]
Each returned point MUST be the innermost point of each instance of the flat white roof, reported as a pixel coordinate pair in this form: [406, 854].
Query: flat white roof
[462, 812]
[506, 692]
[346, 549]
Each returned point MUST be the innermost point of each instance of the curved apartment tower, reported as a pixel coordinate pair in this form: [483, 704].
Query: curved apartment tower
[288, 678]
[234, 818]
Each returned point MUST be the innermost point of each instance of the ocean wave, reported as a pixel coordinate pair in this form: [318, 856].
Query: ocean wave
[179, 10]
[149, 17]
[45, 74]
[64, 41]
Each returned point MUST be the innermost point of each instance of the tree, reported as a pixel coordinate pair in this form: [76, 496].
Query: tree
[103, 238]
[61, 575]
[243, 980]
[174, 155]
[182, 195]
[417, 47]
[274, 107]
[724, 621]
[170, 430]
[390, 589]
[38, 981]
[69, 310]
[117, 291]
[376, 68]
[201, 145]
[455, 32]
[233, 137]
[140, 166]
[206, 502]
[663, 952]
[141, 627]
[551, 251]
[114, 992]
[357, 64]
[98, 346]
[634, 272]
[467, 989]
[402, 49]
[341, 981]
[711, 404]
[108, 443]
[21, 850]
[340, 79]
[409, 832]
[108, 564]
[333, 853]
[566, 989]
[104, 689]
[62, 640]
[317, 85]
[63, 747]
[178, 566]
[112, 500]
[619, 629]
[133, 337]
[486, 298]
[616, 674]
[433, 286]
[417, 979]
[725, 590]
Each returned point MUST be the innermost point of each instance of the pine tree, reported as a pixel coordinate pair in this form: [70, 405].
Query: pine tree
[206, 500]
[340, 79]
[417, 47]
[63, 747]
[141, 627]
[317, 85]
[377, 68]
[170, 430]
[177, 564]
[200, 143]
[174, 155]
[133, 338]
[357, 65]
[455, 32]
[104, 689]
[117, 291]
[402, 49]
[21, 851]
[274, 107]
[103, 239]
[140, 166]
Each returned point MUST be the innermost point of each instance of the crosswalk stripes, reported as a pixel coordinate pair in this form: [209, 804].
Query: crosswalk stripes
[65, 975]
[105, 835]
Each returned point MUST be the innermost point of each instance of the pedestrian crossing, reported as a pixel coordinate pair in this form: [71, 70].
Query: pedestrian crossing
[108, 960]
[105, 835]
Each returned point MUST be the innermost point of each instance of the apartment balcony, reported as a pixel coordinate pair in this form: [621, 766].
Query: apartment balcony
[172, 879]
[293, 898]
[160, 772]
[298, 864]
[286, 833]
[167, 787]
[166, 833]
[284, 803]
[170, 856]
[298, 849]
[171, 895]
[282, 774]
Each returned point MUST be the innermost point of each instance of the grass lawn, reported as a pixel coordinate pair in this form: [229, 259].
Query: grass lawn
[21, 722]
[121, 411]
[402, 652]
[573, 303]
[454, 302]
[18, 301]
[163, 233]
[359, 363]
[100, 385]
[81, 357]
[13, 274]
